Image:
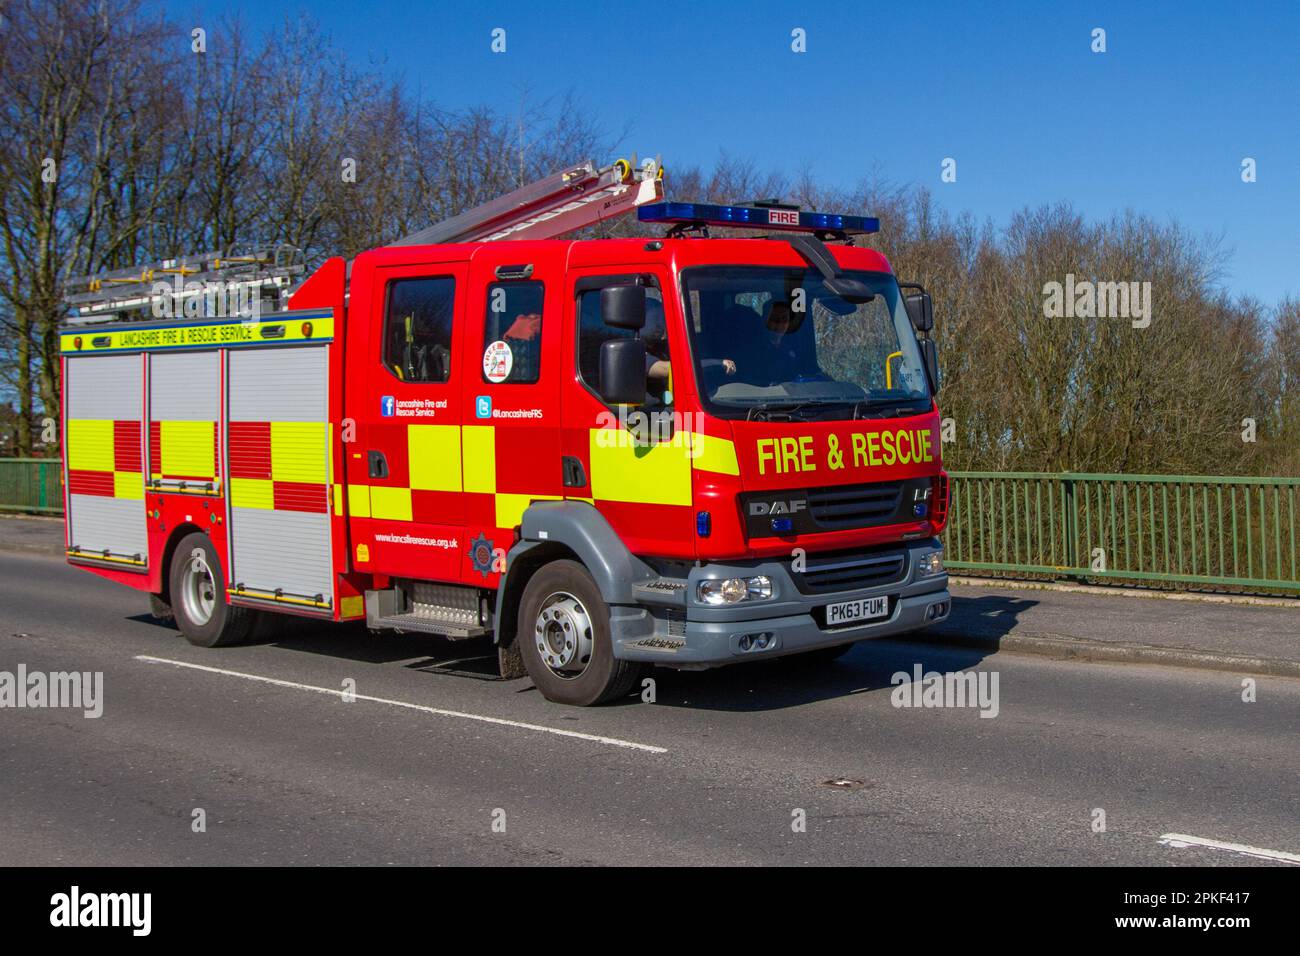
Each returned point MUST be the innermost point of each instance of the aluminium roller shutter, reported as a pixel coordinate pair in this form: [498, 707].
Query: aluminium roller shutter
[104, 454]
[278, 466]
[184, 408]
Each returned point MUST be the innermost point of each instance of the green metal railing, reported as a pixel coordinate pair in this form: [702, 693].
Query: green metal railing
[1174, 529]
[1170, 529]
[31, 484]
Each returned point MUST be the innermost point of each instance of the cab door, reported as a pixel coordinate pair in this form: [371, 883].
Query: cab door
[635, 460]
[512, 372]
[405, 496]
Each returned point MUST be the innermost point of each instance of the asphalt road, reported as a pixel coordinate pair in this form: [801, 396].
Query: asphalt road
[422, 764]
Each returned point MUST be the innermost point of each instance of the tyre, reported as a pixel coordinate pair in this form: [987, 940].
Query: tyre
[198, 596]
[564, 638]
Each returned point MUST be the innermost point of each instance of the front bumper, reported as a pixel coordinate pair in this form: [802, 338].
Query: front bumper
[698, 636]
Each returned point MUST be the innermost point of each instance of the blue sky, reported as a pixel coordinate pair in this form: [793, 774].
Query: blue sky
[1158, 123]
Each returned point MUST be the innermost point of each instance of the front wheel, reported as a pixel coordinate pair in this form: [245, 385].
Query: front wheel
[564, 638]
[198, 596]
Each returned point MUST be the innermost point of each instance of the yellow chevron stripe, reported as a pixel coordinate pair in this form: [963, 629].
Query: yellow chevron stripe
[649, 474]
[480, 458]
[434, 457]
[188, 449]
[714, 454]
[90, 444]
[128, 484]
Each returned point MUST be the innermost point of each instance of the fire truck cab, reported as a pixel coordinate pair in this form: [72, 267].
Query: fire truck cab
[604, 454]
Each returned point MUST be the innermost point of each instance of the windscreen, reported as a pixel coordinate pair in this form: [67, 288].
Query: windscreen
[769, 340]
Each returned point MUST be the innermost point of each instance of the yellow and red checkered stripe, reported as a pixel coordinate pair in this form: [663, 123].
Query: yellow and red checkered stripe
[104, 458]
[280, 466]
[183, 451]
[436, 460]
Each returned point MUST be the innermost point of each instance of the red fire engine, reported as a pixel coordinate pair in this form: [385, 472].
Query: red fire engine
[605, 454]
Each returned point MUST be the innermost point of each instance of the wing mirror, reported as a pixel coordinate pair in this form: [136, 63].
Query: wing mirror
[623, 306]
[622, 371]
[920, 307]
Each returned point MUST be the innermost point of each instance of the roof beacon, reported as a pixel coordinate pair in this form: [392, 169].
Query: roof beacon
[760, 216]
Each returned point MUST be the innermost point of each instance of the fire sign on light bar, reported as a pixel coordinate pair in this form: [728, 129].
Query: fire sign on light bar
[760, 217]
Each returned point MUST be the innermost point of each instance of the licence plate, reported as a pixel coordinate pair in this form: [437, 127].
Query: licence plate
[863, 609]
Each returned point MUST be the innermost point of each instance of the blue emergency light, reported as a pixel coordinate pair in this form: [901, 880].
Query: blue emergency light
[759, 217]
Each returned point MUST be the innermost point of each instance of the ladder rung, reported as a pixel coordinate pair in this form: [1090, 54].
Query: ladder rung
[132, 290]
[579, 196]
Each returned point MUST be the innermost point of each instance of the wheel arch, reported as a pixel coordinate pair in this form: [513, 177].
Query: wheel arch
[523, 561]
[177, 535]
[553, 530]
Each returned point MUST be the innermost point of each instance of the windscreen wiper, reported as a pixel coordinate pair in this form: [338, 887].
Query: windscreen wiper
[877, 408]
[767, 411]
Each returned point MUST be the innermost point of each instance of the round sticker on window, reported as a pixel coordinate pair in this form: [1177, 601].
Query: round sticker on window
[497, 362]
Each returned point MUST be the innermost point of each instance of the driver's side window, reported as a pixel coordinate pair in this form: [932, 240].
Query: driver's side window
[593, 333]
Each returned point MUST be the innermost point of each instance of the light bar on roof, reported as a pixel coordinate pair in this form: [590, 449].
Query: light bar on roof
[757, 217]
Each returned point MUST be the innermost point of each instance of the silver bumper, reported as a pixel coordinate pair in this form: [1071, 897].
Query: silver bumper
[792, 621]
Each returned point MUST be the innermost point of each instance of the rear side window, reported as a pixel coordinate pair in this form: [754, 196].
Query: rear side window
[417, 328]
[514, 317]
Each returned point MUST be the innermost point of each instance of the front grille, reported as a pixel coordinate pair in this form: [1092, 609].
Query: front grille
[854, 506]
[849, 570]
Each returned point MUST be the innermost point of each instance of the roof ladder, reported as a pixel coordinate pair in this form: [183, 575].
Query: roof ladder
[582, 195]
[264, 273]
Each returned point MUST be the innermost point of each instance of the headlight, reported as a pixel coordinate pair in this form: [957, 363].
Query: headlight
[929, 564]
[734, 590]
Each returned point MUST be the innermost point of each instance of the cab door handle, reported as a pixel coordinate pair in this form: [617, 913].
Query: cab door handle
[575, 476]
[378, 465]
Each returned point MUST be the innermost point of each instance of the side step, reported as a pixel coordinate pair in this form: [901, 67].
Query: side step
[426, 625]
[665, 592]
[451, 611]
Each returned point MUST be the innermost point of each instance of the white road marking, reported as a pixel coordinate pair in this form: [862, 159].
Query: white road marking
[1181, 840]
[437, 711]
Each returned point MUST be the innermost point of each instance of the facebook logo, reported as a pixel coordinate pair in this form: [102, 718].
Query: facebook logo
[483, 406]
[386, 406]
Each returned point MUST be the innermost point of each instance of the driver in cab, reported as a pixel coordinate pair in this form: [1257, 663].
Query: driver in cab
[777, 355]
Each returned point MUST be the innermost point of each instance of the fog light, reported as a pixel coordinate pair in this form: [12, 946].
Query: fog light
[756, 642]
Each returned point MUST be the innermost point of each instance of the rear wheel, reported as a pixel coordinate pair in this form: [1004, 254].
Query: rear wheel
[198, 596]
[564, 638]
